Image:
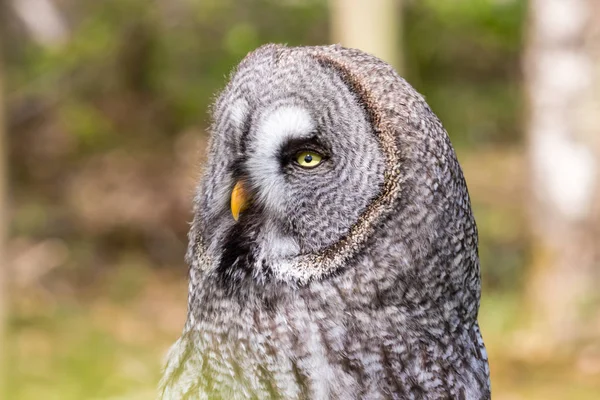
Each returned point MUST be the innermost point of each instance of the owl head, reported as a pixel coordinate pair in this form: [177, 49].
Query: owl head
[317, 155]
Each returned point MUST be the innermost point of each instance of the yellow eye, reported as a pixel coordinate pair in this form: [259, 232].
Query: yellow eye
[308, 159]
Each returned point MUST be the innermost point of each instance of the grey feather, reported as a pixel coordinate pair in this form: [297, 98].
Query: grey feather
[356, 279]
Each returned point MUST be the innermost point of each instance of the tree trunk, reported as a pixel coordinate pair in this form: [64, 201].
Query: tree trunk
[562, 72]
[373, 26]
[43, 21]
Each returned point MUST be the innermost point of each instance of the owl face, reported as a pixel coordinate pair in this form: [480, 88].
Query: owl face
[293, 163]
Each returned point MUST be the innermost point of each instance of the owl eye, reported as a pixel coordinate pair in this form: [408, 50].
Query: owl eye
[308, 159]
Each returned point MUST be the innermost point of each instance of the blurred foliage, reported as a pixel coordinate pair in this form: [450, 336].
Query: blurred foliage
[106, 140]
[134, 78]
[464, 56]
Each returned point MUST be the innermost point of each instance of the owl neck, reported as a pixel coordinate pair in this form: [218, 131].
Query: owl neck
[427, 278]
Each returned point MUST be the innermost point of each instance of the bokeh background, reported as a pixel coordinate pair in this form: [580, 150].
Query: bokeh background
[105, 115]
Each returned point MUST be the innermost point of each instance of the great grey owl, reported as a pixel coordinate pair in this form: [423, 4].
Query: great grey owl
[333, 253]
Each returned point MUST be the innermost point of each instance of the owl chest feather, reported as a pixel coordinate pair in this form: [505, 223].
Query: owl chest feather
[321, 342]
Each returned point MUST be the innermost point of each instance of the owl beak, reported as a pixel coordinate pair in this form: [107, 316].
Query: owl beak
[239, 200]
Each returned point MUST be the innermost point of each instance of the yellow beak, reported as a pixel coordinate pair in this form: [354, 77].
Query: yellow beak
[239, 200]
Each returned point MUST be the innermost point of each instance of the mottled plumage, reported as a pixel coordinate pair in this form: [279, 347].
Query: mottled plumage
[357, 279]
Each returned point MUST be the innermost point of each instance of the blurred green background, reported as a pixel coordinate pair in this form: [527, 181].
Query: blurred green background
[106, 120]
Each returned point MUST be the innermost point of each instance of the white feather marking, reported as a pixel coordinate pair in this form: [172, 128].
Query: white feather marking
[276, 245]
[274, 130]
[238, 112]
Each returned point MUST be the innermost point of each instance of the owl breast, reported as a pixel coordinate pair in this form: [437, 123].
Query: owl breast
[284, 343]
